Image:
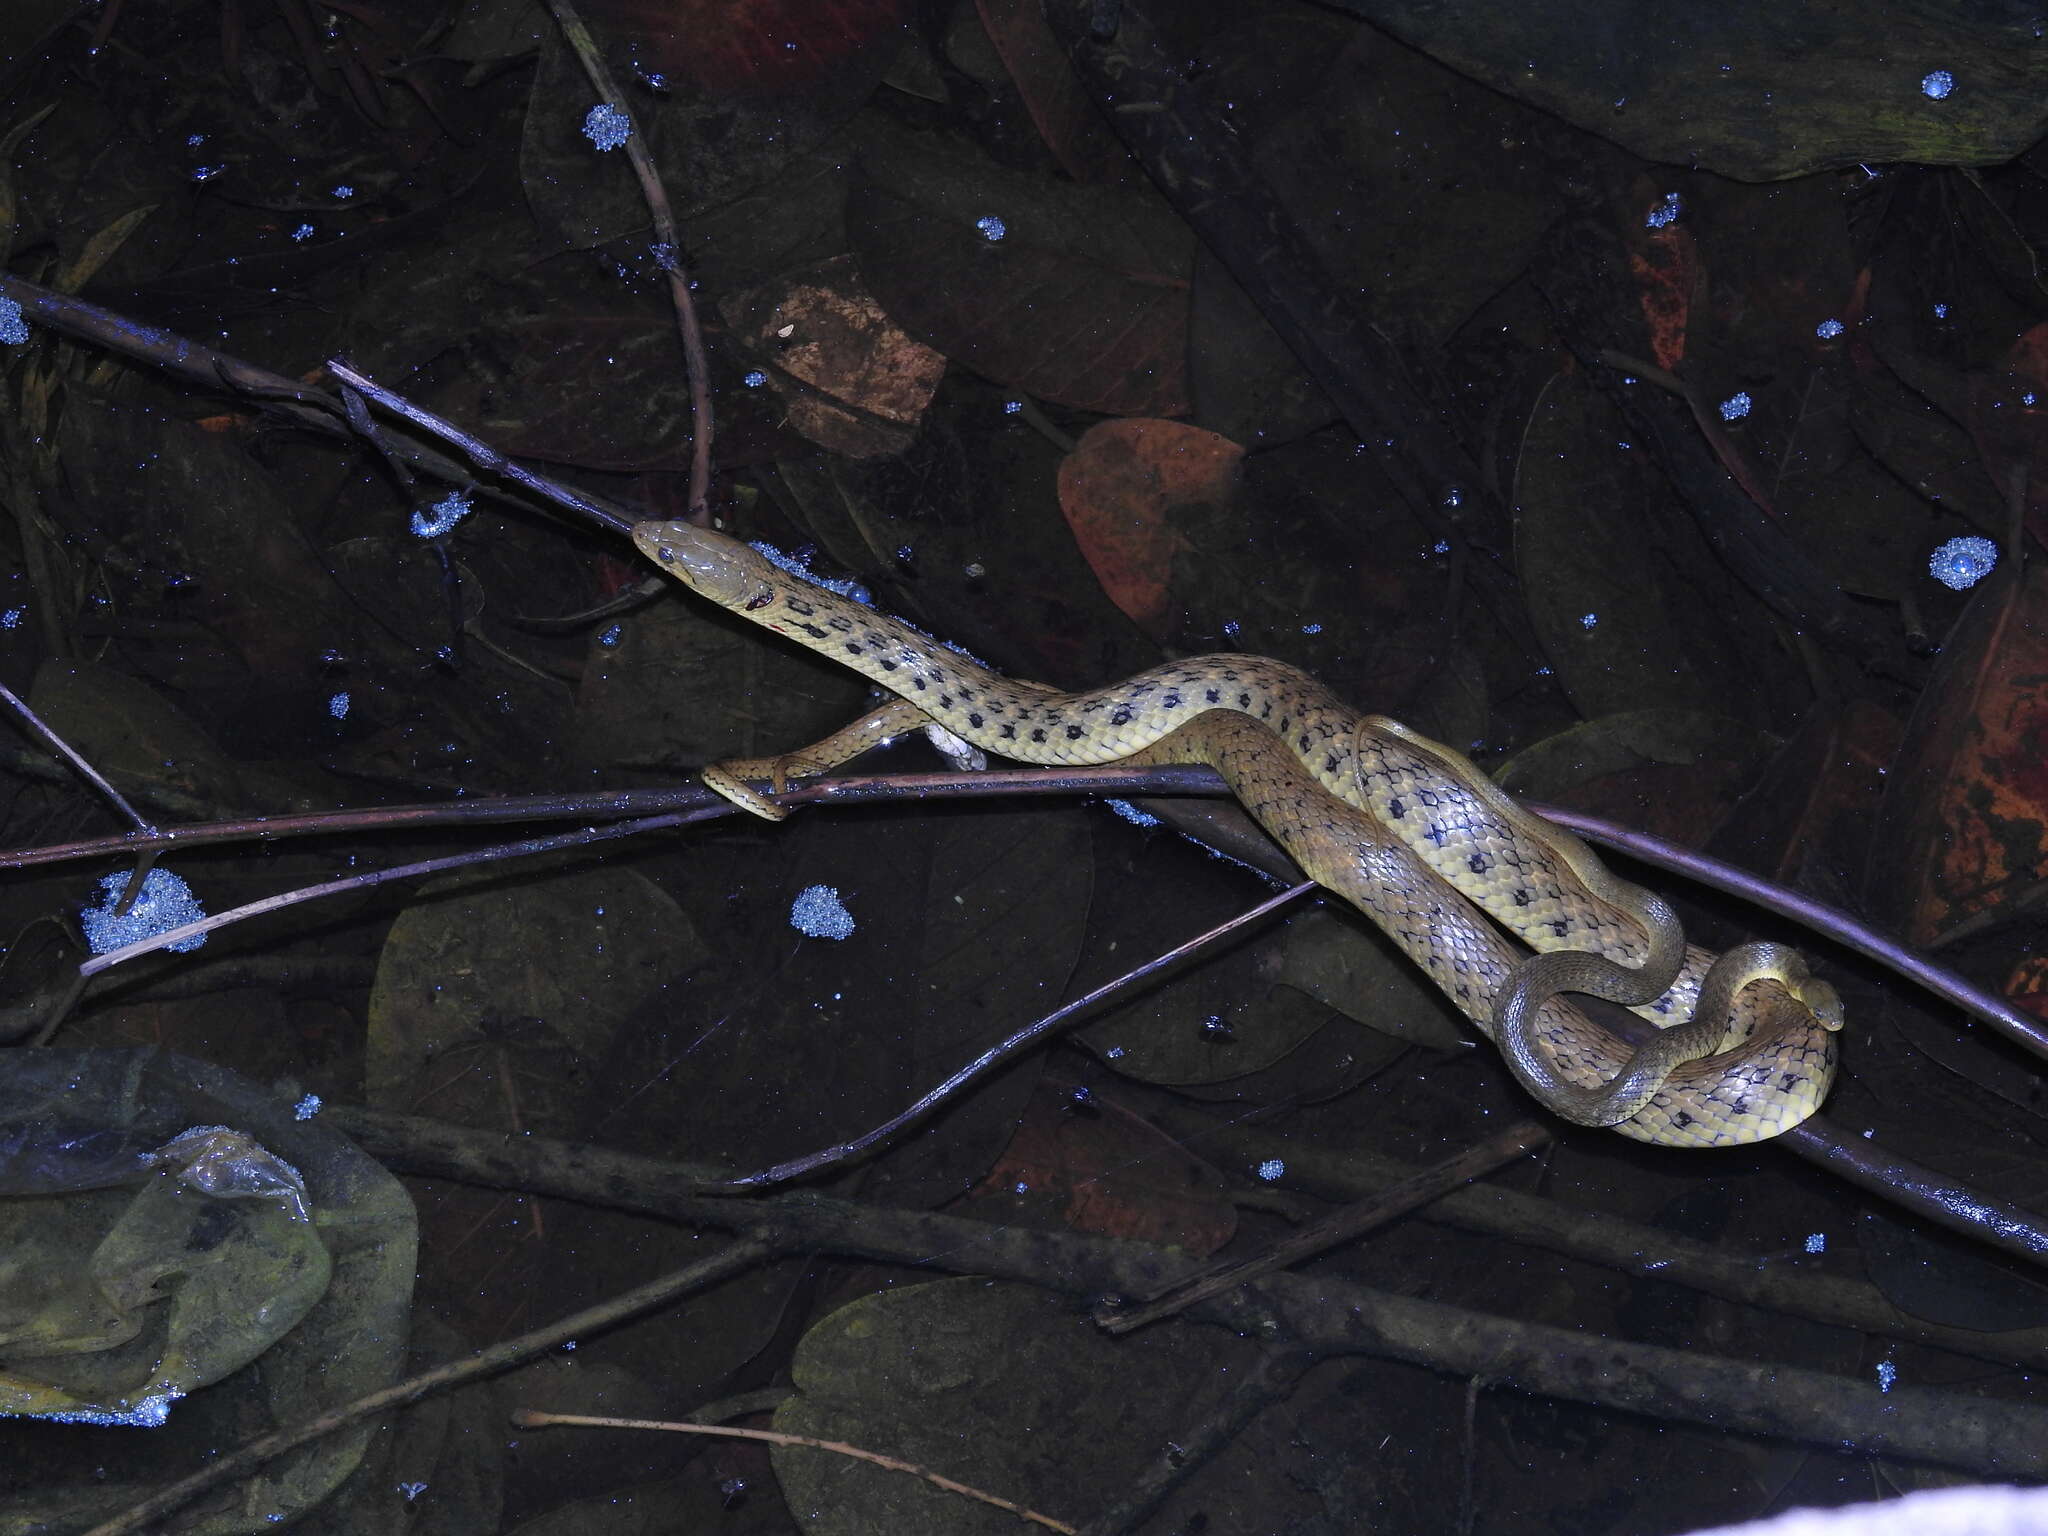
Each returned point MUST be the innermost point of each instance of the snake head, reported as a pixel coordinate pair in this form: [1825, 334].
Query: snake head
[1822, 1000]
[722, 569]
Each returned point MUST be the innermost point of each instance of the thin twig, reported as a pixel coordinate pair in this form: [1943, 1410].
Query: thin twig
[1831, 922]
[85, 770]
[1341, 1226]
[1060, 1018]
[1941, 1199]
[533, 1418]
[1783, 1282]
[1322, 1313]
[605, 514]
[668, 248]
[374, 877]
[1280, 1367]
[1113, 779]
[735, 1259]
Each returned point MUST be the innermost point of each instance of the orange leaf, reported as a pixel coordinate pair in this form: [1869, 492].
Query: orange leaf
[1965, 819]
[1120, 488]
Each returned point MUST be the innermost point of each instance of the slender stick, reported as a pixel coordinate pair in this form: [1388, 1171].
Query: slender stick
[85, 770]
[1341, 1226]
[1992, 1220]
[734, 1259]
[1850, 932]
[1113, 779]
[668, 245]
[996, 1055]
[1830, 922]
[368, 878]
[1320, 1313]
[1279, 1370]
[532, 1418]
[482, 454]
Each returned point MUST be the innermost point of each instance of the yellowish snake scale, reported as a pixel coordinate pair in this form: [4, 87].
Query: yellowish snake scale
[1408, 831]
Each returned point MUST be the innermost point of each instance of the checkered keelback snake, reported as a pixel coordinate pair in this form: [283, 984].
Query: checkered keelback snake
[1404, 829]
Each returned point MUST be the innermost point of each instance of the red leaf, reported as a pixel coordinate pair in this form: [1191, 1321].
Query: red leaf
[1666, 265]
[1119, 489]
[1965, 819]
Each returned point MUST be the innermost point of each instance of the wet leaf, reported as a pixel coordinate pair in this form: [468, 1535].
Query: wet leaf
[999, 1386]
[1681, 87]
[100, 249]
[850, 379]
[1082, 299]
[678, 684]
[1069, 122]
[1120, 489]
[1965, 820]
[197, 508]
[963, 931]
[1217, 1019]
[494, 999]
[1107, 1170]
[1325, 954]
[1673, 772]
[125, 727]
[1615, 590]
[1455, 176]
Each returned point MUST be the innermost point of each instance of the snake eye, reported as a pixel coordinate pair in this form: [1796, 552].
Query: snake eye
[760, 600]
[664, 553]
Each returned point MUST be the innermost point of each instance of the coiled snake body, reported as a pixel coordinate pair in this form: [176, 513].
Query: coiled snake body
[1404, 829]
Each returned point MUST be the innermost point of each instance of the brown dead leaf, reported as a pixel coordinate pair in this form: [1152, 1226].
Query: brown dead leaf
[852, 381]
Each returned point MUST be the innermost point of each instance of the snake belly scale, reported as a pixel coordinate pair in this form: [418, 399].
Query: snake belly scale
[1406, 830]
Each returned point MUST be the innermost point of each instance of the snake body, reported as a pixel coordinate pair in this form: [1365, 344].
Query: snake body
[1403, 828]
